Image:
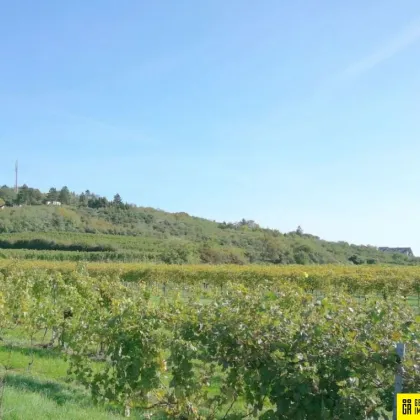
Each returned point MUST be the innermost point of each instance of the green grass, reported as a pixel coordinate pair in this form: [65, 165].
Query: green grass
[145, 234]
[36, 385]
[29, 397]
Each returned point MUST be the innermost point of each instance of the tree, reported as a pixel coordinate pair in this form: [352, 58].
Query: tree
[7, 194]
[301, 257]
[89, 194]
[35, 196]
[176, 252]
[98, 202]
[117, 200]
[271, 250]
[52, 194]
[29, 196]
[83, 200]
[356, 259]
[2, 202]
[64, 196]
[399, 258]
[299, 231]
[24, 195]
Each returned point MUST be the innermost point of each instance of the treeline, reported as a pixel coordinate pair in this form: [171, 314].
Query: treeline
[33, 197]
[99, 257]
[44, 244]
[177, 238]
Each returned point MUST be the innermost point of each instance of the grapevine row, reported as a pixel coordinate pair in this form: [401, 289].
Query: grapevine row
[357, 280]
[247, 348]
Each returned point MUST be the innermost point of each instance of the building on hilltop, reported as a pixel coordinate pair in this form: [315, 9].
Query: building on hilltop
[406, 251]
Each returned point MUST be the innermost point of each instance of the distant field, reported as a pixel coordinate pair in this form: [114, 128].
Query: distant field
[76, 256]
[47, 241]
[139, 234]
[354, 279]
[65, 246]
[69, 246]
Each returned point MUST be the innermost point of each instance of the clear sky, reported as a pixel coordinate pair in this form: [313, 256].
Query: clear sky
[290, 113]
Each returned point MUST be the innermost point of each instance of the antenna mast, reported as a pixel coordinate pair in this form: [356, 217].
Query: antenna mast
[16, 177]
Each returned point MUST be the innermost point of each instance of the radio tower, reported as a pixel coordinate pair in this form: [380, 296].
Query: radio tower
[16, 177]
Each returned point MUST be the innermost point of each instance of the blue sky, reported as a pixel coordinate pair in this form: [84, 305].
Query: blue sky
[286, 112]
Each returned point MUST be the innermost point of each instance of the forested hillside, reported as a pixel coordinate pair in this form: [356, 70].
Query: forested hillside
[89, 227]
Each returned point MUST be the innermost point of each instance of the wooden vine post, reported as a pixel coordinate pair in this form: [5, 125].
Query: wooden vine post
[398, 376]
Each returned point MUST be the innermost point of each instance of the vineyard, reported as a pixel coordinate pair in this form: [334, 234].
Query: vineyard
[65, 246]
[203, 342]
[112, 234]
[360, 280]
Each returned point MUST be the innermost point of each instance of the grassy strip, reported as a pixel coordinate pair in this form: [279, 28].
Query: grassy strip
[36, 384]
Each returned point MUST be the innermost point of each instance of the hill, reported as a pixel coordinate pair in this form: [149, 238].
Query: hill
[121, 232]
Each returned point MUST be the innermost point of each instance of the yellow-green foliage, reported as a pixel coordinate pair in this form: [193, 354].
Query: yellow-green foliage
[361, 279]
[260, 343]
[178, 238]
